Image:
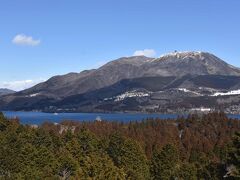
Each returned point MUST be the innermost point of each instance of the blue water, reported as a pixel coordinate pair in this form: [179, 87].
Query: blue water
[39, 117]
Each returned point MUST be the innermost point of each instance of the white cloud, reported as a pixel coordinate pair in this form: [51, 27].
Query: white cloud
[145, 52]
[20, 85]
[21, 39]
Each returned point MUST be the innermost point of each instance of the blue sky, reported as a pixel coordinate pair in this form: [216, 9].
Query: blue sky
[42, 38]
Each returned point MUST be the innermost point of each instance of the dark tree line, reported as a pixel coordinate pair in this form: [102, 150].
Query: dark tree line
[196, 147]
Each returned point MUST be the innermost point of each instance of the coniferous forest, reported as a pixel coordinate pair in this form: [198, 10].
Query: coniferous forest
[195, 147]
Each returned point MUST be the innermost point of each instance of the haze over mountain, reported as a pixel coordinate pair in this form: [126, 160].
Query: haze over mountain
[191, 70]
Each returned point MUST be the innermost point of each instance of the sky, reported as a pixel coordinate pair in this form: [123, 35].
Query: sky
[43, 38]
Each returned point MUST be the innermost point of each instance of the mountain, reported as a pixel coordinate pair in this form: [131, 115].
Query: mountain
[156, 94]
[76, 83]
[194, 63]
[174, 64]
[173, 75]
[4, 91]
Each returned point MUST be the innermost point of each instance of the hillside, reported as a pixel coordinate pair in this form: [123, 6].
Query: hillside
[4, 91]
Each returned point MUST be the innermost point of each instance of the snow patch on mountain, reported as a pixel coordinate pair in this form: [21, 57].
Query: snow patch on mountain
[33, 95]
[128, 94]
[189, 91]
[229, 93]
[201, 109]
[181, 54]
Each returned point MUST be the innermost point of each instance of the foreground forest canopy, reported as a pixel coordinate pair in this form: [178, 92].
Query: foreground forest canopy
[196, 147]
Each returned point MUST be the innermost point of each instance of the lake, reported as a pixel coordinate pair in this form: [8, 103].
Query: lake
[40, 117]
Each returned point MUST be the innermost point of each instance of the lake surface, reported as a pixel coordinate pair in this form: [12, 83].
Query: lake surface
[40, 117]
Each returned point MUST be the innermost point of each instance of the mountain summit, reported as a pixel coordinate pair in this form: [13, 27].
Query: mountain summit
[168, 71]
[194, 63]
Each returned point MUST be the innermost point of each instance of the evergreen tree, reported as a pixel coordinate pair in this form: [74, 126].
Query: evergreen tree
[187, 171]
[234, 157]
[165, 163]
[128, 154]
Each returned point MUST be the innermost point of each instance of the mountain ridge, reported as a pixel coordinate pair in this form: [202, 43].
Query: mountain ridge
[175, 66]
[5, 91]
